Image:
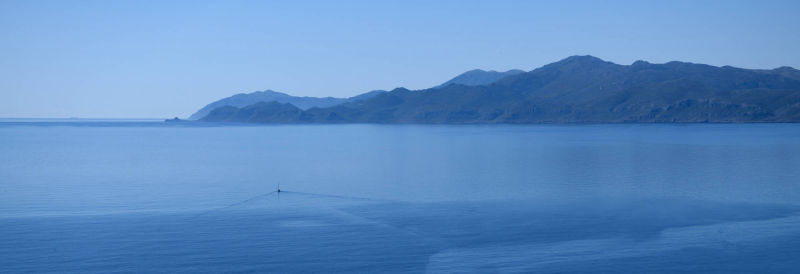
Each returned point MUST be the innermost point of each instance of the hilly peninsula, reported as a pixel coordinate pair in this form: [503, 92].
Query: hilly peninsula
[246, 99]
[578, 89]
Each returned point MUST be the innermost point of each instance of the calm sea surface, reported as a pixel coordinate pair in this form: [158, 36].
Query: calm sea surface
[151, 197]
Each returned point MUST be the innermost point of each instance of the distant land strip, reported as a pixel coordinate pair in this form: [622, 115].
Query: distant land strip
[578, 89]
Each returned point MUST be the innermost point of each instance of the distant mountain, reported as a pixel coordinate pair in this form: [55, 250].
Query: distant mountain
[578, 89]
[262, 112]
[245, 99]
[470, 78]
[480, 77]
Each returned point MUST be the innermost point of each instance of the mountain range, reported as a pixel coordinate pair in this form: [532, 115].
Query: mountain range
[470, 78]
[578, 89]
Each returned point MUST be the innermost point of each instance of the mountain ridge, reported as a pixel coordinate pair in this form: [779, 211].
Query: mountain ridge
[472, 78]
[479, 77]
[583, 89]
[302, 102]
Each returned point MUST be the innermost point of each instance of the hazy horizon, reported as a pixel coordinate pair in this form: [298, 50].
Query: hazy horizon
[130, 59]
[634, 136]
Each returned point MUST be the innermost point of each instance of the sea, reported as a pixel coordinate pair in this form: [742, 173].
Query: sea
[146, 196]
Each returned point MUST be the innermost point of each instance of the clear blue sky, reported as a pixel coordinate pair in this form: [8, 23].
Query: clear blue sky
[126, 59]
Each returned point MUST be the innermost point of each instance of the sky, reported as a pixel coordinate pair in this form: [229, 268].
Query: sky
[159, 59]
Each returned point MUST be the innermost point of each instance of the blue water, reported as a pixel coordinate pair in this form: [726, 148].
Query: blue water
[140, 196]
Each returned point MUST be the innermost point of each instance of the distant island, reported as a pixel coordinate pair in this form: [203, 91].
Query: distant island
[578, 89]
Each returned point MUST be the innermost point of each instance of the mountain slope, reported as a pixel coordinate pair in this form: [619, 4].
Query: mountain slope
[586, 89]
[245, 99]
[262, 112]
[479, 77]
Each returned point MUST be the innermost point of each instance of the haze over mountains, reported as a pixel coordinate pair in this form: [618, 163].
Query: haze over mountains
[246, 99]
[578, 89]
[470, 78]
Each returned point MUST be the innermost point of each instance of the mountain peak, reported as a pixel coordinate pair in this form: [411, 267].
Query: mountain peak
[400, 89]
[577, 62]
[787, 71]
[582, 59]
